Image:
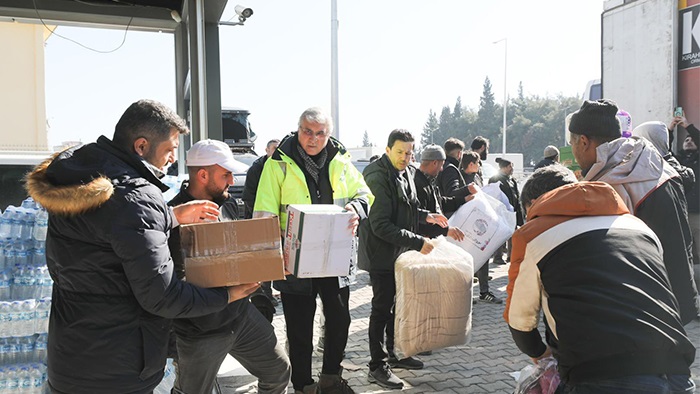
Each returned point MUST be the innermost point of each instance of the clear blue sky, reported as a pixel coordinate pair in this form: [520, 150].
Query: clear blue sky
[398, 59]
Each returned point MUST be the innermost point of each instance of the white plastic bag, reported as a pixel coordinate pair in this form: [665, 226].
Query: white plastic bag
[168, 379]
[487, 224]
[542, 378]
[433, 299]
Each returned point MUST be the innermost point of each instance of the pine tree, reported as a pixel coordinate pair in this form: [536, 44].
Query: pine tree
[488, 124]
[429, 129]
[365, 140]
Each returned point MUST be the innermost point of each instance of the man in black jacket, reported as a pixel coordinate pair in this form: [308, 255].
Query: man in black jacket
[239, 330]
[690, 157]
[648, 185]
[451, 180]
[250, 190]
[252, 177]
[429, 196]
[389, 231]
[509, 187]
[115, 289]
[551, 156]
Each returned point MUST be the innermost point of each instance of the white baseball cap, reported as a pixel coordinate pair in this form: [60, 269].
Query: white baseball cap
[209, 152]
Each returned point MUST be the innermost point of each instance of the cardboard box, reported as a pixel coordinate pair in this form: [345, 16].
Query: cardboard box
[233, 252]
[318, 242]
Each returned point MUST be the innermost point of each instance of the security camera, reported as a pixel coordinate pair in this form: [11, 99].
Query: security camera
[243, 12]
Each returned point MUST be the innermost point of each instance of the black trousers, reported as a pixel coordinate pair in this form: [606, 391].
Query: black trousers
[381, 319]
[299, 313]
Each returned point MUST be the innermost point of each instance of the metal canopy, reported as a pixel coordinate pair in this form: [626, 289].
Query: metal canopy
[196, 42]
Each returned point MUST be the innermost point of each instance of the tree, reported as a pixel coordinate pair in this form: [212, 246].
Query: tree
[429, 129]
[488, 120]
[365, 140]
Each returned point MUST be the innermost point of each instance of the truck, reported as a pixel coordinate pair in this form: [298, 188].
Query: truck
[650, 58]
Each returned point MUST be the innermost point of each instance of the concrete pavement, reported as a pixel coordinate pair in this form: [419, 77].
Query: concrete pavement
[482, 366]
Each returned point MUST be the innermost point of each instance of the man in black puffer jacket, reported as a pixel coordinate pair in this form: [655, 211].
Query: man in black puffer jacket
[115, 289]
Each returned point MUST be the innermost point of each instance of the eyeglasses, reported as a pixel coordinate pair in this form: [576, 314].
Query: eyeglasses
[310, 133]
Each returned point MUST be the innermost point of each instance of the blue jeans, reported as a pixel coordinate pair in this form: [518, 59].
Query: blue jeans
[252, 342]
[639, 384]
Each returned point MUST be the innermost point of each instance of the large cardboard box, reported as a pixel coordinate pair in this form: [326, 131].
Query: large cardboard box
[318, 242]
[233, 252]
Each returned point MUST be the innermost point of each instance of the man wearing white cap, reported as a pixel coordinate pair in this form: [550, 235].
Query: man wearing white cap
[239, 330]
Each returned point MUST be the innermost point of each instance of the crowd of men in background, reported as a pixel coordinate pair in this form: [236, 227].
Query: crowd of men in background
[608, 260]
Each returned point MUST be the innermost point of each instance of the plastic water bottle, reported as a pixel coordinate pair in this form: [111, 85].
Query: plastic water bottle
[41, 225]
[17, 222]
[44, 283]
[2, 255]
[12, 381]
[27, 225]
[40, 347]
[43, 311]
[28, 203]
[3, 380]
[5, 319]
[44, 389]
[16, 282]
[14, 317]
[3, 352]
[6, 222]
[24, 383]
[27, 349]
[39, 258]
[37, 376]
[9, 255]
[14, 350]
[28, 317]
[5, 294]
[21, 250]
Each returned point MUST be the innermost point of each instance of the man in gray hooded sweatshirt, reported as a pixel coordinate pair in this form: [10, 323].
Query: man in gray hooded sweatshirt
[649, 186]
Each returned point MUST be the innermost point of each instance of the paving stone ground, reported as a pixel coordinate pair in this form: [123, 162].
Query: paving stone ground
[482, 366]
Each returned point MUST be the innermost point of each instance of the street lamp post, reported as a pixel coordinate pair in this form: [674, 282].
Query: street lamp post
[334, 68]
[505, 90]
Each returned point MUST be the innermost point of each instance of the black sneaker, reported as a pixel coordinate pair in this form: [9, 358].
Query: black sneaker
[405, 363]
[385, 378]
[490, 298]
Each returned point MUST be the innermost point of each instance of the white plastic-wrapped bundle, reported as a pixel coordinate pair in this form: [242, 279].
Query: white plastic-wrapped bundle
[433, 299]
[487, 224]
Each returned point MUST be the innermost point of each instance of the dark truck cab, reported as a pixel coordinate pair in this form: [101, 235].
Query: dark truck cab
[239, 136]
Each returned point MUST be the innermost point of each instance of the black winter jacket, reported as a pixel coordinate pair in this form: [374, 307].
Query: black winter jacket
[691, 159]
[115, 289]
[393, 220]
[433, 201]
[451, 181]
[250, 190]
[544, 163]
[510, 189]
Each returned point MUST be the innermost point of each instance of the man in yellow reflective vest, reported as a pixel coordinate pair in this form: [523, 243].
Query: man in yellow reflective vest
[311, 167]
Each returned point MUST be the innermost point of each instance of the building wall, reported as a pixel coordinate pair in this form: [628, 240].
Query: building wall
[22, 98]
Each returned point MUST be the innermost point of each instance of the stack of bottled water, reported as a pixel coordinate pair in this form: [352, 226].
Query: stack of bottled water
[25, 298]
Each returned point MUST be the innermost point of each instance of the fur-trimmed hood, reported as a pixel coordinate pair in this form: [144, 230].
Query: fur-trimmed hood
[67, 199]
[81, 179]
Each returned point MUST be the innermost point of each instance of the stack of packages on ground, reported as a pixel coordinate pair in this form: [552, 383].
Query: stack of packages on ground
[433, 299]
[25, 298]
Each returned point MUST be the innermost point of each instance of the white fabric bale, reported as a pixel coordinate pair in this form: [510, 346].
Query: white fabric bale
[433, 299]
